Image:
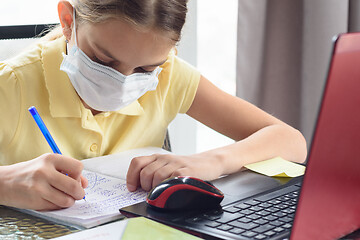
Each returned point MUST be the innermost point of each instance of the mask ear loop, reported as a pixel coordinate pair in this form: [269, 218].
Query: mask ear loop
[74, 31]
[74, 26]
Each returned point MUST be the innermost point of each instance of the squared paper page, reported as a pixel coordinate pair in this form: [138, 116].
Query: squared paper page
[116, 165]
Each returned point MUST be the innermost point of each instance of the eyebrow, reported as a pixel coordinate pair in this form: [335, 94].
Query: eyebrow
[110, 56]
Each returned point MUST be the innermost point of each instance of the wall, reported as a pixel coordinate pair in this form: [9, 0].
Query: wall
[183, 129]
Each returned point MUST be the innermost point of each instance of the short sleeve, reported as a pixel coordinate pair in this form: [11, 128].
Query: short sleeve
[190, 77]
[183, 83]
[10, 98]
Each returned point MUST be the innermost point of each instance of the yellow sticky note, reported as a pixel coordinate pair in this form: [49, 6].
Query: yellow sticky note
[142, 228]
[277, 167]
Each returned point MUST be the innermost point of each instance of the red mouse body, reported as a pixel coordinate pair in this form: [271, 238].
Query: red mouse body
[184, 193]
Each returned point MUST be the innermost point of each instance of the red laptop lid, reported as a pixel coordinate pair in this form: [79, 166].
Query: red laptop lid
[329, 203]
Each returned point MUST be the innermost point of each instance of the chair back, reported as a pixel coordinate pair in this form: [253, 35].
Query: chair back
[14, 39]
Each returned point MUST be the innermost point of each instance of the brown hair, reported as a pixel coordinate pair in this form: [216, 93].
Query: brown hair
[166, 16]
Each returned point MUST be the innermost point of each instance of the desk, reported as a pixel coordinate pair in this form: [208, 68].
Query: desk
[17, 225]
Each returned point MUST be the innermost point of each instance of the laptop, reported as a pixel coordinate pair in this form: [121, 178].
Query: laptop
[325, 202]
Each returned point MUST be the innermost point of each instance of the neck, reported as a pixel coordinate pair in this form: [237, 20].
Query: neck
[93, 111]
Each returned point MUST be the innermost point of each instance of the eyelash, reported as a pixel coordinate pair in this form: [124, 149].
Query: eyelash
[138, 69]
[142, 70]
[96, 59]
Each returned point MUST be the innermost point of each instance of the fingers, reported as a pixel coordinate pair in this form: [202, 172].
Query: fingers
[57, 197]
[67, 185]
[47, 206]
[64, 180]
[181, 172]
[156, 168]
[162, 174]
[70, 166]
[149, 171]
[84, 182]
[136, 166]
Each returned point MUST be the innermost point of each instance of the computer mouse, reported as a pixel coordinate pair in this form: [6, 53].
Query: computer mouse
[184, 193]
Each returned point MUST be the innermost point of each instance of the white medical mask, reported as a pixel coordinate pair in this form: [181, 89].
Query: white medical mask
[102, 87]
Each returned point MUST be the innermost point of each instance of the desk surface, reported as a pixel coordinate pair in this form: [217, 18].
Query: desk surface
[17, 225]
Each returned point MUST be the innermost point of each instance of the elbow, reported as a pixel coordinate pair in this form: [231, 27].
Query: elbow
[299, 147]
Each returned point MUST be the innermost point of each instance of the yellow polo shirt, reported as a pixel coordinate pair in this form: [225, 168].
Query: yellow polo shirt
[34, 79]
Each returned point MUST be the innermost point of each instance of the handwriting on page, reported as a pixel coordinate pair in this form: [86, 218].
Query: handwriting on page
[104, 195]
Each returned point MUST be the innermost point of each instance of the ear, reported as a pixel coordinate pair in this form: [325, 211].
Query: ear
[65, 11]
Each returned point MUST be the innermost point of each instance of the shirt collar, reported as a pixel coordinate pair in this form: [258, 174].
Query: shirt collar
[63, 99]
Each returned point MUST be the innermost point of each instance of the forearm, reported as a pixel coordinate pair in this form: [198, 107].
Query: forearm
[272, 141]
[268, 142]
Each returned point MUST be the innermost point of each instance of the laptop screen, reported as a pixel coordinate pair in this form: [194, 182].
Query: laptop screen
[329, 203]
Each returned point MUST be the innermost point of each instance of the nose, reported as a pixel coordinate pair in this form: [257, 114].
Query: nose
[125, 70]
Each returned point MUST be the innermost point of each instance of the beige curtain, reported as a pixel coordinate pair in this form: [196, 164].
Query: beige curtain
[284, 47]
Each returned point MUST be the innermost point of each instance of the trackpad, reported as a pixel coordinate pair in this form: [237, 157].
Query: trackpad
[245, 184]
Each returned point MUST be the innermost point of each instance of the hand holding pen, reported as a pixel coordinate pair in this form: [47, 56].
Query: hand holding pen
[45, 132]
[41, 184]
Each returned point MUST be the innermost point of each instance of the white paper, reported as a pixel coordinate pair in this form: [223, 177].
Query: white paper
[106, 192]
[117, 165]
[111, 231]
[104, 196]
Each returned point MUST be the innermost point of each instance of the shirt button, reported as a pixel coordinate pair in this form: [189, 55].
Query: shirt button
[93, 147]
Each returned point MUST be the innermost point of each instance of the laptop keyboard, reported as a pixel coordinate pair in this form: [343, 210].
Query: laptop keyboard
[262, 217]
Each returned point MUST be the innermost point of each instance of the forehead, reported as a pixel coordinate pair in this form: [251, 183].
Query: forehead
[124, 40]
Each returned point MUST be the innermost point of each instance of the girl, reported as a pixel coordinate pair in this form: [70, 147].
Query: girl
[110, 82]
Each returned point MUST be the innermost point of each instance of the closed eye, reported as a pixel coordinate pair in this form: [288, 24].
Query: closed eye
[113, 64]
[96, 59]
[142, 70]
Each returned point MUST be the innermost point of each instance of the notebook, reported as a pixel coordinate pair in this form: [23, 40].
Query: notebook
[105, 194]
[325, 203]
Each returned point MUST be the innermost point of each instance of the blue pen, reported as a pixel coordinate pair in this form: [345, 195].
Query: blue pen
[44, 130]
